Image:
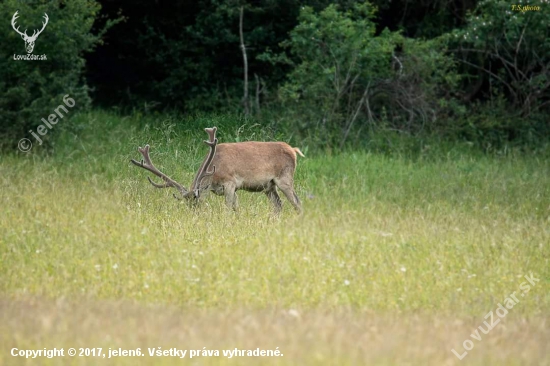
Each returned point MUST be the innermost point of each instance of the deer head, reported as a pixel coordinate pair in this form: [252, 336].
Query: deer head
[196, 187]
[29, 40]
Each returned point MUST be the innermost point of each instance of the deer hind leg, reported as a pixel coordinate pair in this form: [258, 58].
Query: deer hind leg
[273, 196]
[231, 196]
[286, 185]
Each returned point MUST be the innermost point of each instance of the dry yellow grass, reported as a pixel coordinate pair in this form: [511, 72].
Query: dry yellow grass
[314, 337]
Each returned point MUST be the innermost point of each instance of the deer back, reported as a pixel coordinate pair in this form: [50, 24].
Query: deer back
[252, 165]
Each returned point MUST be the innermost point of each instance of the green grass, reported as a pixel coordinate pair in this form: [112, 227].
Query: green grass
[441, 235]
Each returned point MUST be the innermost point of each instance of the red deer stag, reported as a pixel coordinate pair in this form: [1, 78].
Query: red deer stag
[250, 166]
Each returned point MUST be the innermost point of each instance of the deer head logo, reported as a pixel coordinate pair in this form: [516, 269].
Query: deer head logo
[29, 40]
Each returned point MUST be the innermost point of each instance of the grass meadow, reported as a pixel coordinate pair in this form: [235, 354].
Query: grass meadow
[396, 260]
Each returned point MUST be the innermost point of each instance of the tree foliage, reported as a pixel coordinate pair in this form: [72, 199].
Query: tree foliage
[329, 70]
[345, 76]
[505, 53]
[29, 90]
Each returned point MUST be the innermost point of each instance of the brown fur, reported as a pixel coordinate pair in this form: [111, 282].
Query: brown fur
[255, 167]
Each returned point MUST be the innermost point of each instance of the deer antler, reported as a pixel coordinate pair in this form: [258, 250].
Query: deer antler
[13, 19]
[204, 169]
[147, 164]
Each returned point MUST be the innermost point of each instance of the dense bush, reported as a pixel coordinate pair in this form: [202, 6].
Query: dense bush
[505, 54]
[346, 78]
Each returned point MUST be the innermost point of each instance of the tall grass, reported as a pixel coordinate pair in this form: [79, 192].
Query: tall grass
[445, 234]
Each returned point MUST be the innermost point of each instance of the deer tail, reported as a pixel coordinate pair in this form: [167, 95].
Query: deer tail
[299, 152]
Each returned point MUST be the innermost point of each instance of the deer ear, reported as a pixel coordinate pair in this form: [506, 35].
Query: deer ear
[23, 36]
